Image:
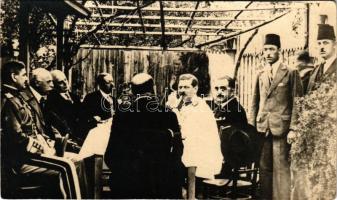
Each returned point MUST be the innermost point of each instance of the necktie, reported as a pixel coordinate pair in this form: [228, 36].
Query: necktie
[270, 75]
[42, 103]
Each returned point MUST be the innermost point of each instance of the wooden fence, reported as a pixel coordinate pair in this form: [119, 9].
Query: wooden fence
[250, 63]
[122, 64]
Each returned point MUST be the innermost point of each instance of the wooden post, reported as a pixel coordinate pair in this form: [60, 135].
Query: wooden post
[191, 182]
[24, 33]
[59, 42]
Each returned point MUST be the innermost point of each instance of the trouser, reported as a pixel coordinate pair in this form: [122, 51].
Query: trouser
[53, 170]
[274, 168]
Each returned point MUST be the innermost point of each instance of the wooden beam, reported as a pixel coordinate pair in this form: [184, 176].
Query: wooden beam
[84, 23]
[152, 48]
[59, 42]
[162, 22]
[192, 16]
[228, 36]
[152, 33]
[182, 18]
[140, 16]
[191, 9]
[236, 16]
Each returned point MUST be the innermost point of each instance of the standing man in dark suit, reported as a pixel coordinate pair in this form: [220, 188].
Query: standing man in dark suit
[273, 113]
[99, 105]
[326, 41]
[66, 106]
[145, 147]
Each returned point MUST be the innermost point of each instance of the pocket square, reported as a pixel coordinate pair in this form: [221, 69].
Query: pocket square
[281, 84]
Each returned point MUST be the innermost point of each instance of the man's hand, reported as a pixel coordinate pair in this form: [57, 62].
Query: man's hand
[291, 137]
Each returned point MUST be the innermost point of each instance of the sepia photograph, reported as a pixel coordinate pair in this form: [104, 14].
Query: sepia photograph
[164, 99]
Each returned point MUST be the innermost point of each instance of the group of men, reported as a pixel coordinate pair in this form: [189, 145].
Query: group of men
[151, 145]
[38, 116]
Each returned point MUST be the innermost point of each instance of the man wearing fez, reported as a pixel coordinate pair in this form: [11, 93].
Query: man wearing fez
[273, 114]
[326, 41]
[145, 147]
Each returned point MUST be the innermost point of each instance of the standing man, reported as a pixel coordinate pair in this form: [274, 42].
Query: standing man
[65, 105]
[326, 41]
[273, 114]
[202, 153]
[98, 105]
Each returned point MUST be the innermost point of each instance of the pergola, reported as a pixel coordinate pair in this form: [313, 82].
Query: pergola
[196, 26]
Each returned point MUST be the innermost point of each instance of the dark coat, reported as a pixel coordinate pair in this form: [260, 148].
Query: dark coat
[317, 75]
[67, 112]
[94, 104]
[44, 122]
[16, 124]
[231, 113]
[144, 156]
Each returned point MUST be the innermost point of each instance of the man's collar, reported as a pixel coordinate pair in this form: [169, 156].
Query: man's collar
[328, 63]
[105, 95]
[226, 102]
[37, 95]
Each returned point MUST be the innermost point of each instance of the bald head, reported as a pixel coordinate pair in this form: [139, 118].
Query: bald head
[41, 81]
[60, 81]
[142, 83]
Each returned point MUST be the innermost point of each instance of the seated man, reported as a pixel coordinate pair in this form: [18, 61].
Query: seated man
[226, 108]
[145, 148]
[65, 106]
[21, 140]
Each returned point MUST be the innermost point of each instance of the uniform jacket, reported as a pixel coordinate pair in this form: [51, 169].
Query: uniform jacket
[317, 75]
[273, 104]
[17, 126]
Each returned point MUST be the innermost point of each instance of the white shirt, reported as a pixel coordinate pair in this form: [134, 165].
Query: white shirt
[107, 96]
[37, 95]
[275, 67]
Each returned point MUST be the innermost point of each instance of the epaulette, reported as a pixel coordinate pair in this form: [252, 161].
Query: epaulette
[8, 95]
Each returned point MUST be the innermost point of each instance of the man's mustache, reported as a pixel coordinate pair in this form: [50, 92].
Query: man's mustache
[220, 96]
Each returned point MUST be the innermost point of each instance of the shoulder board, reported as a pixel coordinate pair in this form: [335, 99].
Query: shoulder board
[8, 95]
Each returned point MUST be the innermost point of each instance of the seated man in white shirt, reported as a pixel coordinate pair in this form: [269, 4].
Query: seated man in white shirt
[202, 153]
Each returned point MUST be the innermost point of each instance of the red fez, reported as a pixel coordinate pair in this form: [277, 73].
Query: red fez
[325, 32]
[273, 39]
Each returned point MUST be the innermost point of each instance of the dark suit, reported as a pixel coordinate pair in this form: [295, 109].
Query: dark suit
[44, 121]
[94, 104]
[68, 113]
[317, 75]
[143, 155]
[273, 112]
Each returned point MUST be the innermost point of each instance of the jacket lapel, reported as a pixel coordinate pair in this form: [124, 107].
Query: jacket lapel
[332, 69]
[313, 78]
[281, 72]
[30, 99]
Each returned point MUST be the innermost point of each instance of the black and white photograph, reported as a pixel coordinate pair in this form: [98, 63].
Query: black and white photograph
[164, 99]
